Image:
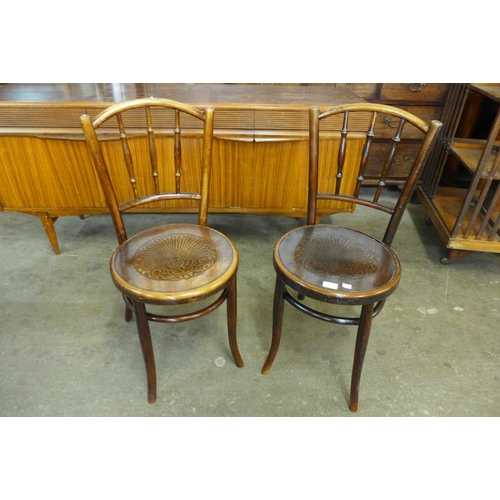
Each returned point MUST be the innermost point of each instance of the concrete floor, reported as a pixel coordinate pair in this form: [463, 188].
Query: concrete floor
[65, 349]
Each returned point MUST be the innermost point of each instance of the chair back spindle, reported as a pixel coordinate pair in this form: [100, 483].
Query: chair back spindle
[373, 200]
[129, 162]
[342, 152]
[388, 162]
[152, 150]
[141, 125]
[364, 157]
[178, 151]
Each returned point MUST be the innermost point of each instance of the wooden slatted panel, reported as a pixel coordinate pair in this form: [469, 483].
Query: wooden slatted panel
[50, 117]
[41, 117]
[299, 120]
[224, 119]
[234, 119]
[47, 173]
[450, 116]
[244, 119]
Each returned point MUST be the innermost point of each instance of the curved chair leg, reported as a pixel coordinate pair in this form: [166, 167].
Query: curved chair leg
[147, 348]
[128, 311]
[279, 305]
[231, 321]
[128, 314]
[362, 337]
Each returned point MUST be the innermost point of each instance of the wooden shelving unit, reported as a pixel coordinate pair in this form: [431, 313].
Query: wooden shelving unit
[466, 217]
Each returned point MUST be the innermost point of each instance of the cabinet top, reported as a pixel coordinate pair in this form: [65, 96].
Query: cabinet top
[218, 95]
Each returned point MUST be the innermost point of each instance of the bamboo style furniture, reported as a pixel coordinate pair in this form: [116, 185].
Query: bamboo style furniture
[173, 264]
[460, 189]
[340, 266]
[259, 150]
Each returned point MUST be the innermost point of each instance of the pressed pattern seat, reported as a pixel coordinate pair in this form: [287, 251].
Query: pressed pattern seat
[365, 268]
[340, 265]
[173, 264]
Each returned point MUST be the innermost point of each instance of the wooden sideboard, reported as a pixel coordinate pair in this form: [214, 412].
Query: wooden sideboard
[425, 100]
[259, 160]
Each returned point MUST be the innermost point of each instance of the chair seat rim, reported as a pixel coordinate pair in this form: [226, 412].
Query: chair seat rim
[339, 296]
[186, 296]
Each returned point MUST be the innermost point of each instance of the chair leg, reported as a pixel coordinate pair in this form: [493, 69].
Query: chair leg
[128, 314]
[362, 337]
[279, 305]
[232, 321]
[147, 348]
[128, 311]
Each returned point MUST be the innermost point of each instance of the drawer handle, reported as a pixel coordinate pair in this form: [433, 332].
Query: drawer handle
[406, 160]
[413, 88]
[389, 122]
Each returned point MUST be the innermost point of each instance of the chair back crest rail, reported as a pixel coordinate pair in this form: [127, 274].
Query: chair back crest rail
[134, 122]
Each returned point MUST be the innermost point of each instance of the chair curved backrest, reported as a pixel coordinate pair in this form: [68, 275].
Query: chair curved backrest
[151, 176]
[373, 116]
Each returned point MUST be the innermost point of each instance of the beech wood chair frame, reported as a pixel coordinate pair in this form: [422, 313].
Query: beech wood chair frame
[135, 299]
[372, 298]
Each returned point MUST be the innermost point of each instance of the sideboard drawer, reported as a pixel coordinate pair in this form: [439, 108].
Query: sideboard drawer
[401, 165]
[404, 158]
[410, 92]
[386, 126]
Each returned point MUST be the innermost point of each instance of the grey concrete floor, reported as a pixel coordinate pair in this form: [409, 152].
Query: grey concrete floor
[65, 349]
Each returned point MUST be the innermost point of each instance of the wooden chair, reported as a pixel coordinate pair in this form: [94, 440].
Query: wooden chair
[173, 264]
[338, 265]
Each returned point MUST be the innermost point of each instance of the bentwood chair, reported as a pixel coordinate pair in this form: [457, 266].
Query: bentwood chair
[340, 266]
[174, 264]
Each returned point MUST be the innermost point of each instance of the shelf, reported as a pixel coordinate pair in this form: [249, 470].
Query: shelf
[469, 152]
[489, 90]
[444, 211]
[466, 211]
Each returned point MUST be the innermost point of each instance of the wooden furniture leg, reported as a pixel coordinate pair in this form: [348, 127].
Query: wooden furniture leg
[362, 337]
[454, 256]
[48, 225]
[129, 308]
[147, 348]
[231, 321]
[128, 314]
[279, 305]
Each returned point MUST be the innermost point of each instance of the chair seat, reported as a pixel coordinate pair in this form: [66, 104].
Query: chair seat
[174, 264]
[337, 265]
